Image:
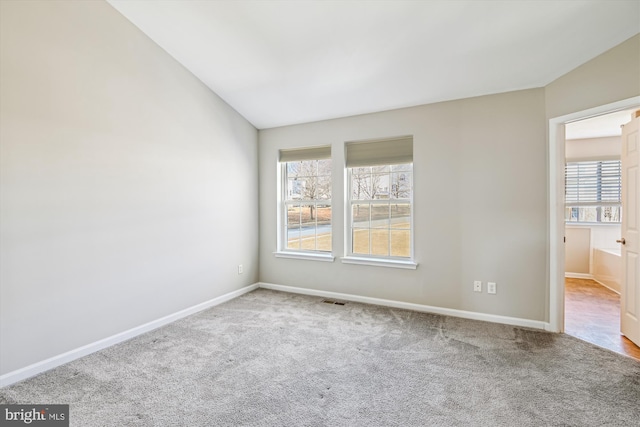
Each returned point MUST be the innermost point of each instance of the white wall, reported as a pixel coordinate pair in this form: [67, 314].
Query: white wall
[607, 268]
[480, 205]
[128, 189]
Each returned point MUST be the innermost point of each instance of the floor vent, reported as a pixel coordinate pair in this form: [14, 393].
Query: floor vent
[328, 301]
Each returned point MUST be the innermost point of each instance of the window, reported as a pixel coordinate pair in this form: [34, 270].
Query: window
[380, 201]
[306, 200]
[592, 191]
[381, 210]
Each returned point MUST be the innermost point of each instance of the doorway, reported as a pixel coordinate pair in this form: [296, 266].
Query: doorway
[592, 230]
[557, 212]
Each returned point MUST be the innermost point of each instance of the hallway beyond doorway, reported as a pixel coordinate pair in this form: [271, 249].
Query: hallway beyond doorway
[592, 313]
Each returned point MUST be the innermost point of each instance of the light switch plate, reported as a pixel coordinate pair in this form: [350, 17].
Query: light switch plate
[492, 288]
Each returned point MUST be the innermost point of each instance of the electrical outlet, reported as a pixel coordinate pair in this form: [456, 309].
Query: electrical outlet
[477, 286]
[240, 269]
[491, 287]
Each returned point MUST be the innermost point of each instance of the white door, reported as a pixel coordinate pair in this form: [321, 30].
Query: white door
[630, 241]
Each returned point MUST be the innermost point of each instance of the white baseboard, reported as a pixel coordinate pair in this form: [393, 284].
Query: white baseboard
[45, 365]
[55, 361]
[515, 321]
[569, 275]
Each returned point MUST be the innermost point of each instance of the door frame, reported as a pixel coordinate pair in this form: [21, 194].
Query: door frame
[556, 157]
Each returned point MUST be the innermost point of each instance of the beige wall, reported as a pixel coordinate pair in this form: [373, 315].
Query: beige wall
[606, 148]
[610, 77]
[492, 152]
[480, 205]
[581, 242]
[577, 250]
[128, 189]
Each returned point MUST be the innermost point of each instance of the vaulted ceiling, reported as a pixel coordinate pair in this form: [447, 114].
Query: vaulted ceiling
[285, 62]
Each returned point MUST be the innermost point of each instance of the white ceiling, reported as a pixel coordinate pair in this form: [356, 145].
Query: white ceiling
[286, 62]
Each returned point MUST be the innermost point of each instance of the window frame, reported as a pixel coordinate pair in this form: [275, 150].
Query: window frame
[372, 259]
[283, 251]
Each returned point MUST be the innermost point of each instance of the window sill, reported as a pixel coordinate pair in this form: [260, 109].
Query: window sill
[305, 255]
[591, 224]
[379, 262]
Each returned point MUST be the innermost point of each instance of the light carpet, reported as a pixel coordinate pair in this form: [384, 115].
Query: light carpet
[276, 359]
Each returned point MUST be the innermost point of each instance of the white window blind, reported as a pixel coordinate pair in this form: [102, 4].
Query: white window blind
[593, 183]
[391, 151]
